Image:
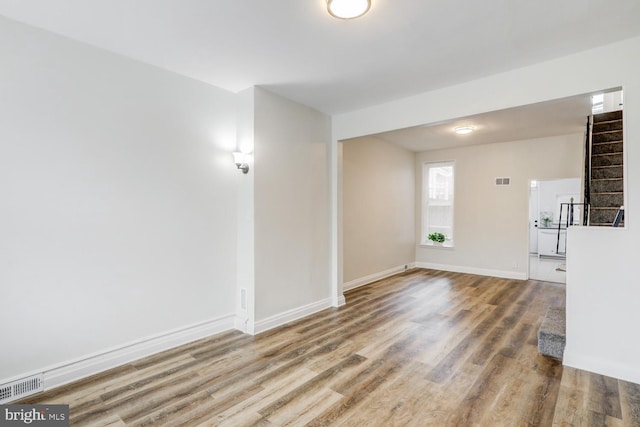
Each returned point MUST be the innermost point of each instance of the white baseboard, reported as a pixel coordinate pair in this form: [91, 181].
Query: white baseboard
[240, 322]
[377, 276]
[291, 315]
[603, 367]
[73, 370]
[473, 270]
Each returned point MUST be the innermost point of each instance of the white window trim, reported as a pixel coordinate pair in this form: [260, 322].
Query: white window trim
[424, 241]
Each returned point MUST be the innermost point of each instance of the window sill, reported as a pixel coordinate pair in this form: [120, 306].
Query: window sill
[446, 245]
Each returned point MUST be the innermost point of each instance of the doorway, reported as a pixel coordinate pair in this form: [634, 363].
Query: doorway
[547, 227]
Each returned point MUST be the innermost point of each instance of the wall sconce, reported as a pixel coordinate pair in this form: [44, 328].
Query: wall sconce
[240, 160]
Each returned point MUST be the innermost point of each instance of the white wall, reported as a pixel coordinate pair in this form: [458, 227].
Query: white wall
[118, 201]
[491, 223]
[379, 205]
[292, 222]
[597, 318]
[602, 301]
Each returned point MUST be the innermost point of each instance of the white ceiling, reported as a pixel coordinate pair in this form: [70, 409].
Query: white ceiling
[552, 118]
[294, 48]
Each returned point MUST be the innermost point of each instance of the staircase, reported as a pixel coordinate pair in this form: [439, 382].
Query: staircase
[552, 336]
[606, 189]
[604, 192]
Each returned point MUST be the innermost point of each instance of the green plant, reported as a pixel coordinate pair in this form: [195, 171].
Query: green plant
[436, 237]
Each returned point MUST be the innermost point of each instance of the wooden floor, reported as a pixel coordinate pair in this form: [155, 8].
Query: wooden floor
[419, 349]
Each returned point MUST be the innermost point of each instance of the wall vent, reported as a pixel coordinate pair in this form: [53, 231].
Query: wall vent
[21, 388]
[503, 181]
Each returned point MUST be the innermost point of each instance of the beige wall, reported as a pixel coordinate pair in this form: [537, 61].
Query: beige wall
[490, 222]
[379, 207]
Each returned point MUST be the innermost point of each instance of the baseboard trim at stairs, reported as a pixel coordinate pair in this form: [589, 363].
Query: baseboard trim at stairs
[473, 270]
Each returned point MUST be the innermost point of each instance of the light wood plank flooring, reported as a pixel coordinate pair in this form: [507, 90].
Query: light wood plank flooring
[424, 348]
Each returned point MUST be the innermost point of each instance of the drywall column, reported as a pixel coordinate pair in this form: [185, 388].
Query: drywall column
[335, 204]
[602, 284]
[292, 213]
[245, 271]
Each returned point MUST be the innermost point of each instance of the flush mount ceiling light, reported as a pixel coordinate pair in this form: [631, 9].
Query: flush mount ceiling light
[463, 130]
[348, 9]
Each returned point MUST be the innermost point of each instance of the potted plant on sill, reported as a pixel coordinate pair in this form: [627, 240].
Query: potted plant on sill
[437, 238]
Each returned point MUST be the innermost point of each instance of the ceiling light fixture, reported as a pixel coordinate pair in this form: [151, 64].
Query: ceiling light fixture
[463, 130]
[348, 9]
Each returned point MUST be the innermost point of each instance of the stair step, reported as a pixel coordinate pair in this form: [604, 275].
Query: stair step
[604, 172]
[607, 117]
[607, 126]
[611, 185]
[607, 200]
[552, 336]
[606, 159]
[602, 216]
[606, 136]
[607, 147]
[607, 183]
[605, 224]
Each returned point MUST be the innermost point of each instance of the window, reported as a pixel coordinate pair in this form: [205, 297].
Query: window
[437, 201]
[597, 102]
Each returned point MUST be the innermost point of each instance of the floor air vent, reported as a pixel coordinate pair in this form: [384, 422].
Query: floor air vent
[21, 388]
